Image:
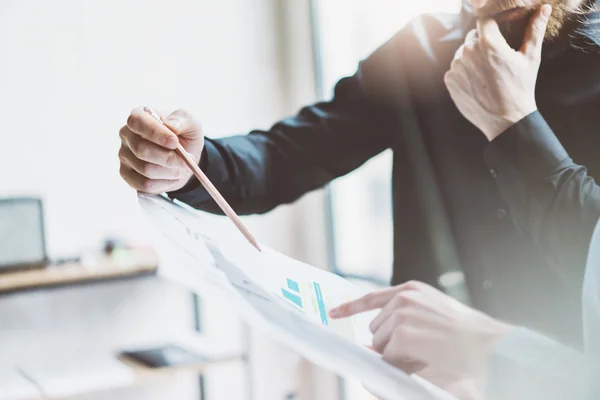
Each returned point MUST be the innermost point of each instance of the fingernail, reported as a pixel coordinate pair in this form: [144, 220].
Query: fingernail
[546, 10]
[174, 124]
[334, 312]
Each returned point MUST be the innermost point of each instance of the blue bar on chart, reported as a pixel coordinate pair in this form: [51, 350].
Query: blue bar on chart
[293, 297]
[321, 303]
[293, 285]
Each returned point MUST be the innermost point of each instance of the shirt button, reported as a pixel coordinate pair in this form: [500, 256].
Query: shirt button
[494, 173]
[501, 213]
[487, 285]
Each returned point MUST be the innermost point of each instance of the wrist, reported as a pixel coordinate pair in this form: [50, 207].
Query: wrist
[494, 334]
[488, 333]
[497, 331]
[508, 122]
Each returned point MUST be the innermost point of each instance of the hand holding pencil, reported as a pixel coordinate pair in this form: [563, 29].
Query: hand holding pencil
[148, 161]
[159, 157]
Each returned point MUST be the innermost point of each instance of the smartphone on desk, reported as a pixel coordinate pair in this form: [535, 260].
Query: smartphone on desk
[169, 356]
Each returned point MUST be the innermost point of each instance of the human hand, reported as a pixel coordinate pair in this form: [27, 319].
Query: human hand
[149, 163]
[492, 85]
[420, 327]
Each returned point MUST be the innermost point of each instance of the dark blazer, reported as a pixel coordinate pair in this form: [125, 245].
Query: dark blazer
[450, 210]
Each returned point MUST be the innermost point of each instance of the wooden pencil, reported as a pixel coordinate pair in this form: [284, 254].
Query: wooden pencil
[210, 188]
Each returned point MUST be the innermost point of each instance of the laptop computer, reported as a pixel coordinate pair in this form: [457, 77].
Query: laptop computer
[22, 237]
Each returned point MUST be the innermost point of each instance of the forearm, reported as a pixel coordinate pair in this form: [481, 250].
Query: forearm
[258, 171]
[252, 174]
[527, 365]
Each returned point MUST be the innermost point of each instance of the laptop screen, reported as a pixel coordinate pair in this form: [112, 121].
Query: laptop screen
[21, 233]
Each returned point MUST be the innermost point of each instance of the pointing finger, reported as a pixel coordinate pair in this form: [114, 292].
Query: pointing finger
[371, 301]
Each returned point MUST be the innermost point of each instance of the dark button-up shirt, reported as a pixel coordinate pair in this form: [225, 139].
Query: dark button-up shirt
[447, 205]
[556, 203]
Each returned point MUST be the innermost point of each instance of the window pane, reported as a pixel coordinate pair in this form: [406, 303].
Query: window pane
[362, 214]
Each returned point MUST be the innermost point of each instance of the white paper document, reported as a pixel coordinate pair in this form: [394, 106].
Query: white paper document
[287, 299]
[14, 386]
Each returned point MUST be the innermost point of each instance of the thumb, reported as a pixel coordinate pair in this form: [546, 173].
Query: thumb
[182, 123]
[536, 31]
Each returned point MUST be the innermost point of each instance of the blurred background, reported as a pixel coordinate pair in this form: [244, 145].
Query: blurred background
[70, 73]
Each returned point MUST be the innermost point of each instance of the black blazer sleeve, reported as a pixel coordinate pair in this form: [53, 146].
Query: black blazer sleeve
[263, 169]
[258, 171]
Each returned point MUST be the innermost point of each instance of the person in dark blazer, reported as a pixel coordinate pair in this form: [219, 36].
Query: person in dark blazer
[450, 217]
[556, 203]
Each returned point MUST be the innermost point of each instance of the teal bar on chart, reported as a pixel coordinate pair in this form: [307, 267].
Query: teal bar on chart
[293, 297]
[321, 303]
[293, 285]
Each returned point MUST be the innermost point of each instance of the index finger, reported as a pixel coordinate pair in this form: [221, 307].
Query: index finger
[378, 299]
[368, 302]
[143, 124]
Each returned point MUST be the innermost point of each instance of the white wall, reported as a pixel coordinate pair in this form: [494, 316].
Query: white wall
[70, 72]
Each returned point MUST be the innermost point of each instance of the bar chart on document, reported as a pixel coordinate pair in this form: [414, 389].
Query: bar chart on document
[285, 297]
[310, 298]
[309, 290]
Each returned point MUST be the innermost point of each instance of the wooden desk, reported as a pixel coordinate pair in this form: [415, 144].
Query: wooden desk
[102, 269]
